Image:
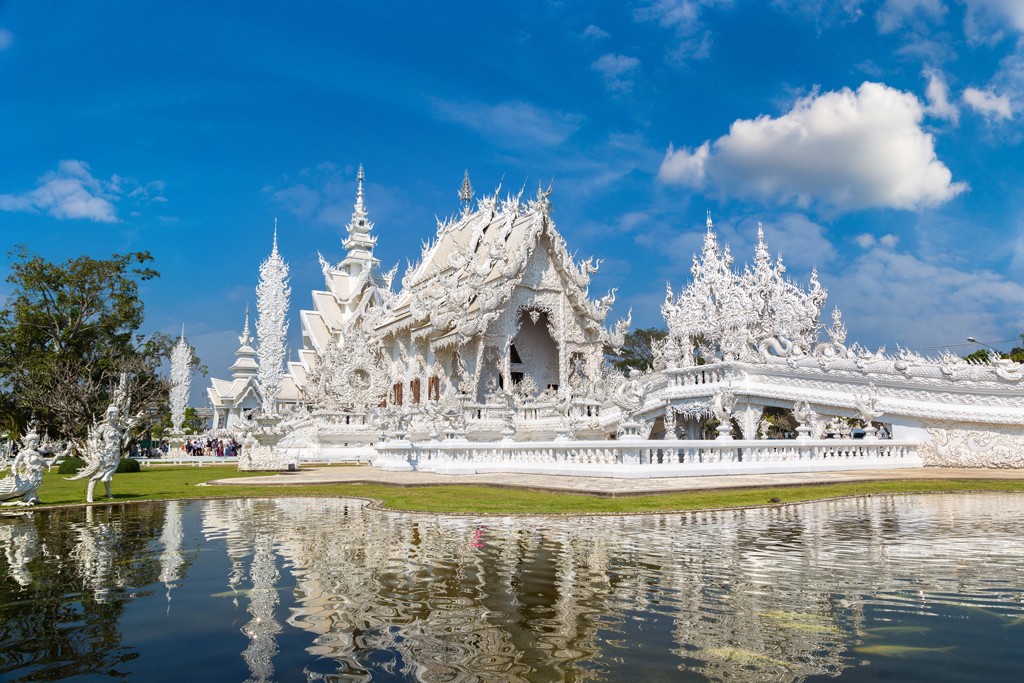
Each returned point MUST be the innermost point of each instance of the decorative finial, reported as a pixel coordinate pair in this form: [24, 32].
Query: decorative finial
[760, 232]
[245, 331]
[466, 191]
[275, 234]
[183, 330]
[709, 220]
[359, 192]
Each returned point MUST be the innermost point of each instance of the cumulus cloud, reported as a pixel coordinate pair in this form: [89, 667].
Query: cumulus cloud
[937, 93]
[594, 32]
[70, 192]
[840, 150]
[686, 167]
[988, 104]
[511, 124]
[894, 14]
[6, 39]
[613, 68]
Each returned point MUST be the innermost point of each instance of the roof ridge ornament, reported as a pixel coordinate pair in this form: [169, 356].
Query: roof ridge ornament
[359, 192]
[466, 191]
[245, 338]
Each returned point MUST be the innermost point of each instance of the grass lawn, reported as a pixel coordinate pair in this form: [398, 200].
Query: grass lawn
[169, 482]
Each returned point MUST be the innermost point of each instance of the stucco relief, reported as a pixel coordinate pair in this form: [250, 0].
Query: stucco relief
[959, 444]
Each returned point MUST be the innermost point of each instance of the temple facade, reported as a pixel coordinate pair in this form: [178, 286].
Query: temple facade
[490, 355]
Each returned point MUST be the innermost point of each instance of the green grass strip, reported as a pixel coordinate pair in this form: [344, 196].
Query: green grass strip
[171, 482]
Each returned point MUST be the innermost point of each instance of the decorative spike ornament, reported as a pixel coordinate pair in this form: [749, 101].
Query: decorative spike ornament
[466, 191]
[273, 296]
[181, 381]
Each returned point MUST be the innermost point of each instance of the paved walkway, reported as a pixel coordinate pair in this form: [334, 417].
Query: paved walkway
[611, 488]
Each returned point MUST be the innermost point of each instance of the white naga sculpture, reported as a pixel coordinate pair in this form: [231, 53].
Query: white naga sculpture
[106, 439]
[181, 381]
[26, 473]
[272, 300]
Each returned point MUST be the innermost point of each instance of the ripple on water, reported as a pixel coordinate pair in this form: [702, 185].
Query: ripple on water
[866, 587]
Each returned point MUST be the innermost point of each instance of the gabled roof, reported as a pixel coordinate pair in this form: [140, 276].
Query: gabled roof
[468, 272]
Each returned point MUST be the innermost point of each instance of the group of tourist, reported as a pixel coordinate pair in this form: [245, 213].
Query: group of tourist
[211, 447]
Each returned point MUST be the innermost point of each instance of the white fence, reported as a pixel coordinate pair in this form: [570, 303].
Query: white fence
[646, 458]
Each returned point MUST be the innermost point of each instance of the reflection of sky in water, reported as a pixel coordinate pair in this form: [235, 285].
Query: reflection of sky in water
[321, 589]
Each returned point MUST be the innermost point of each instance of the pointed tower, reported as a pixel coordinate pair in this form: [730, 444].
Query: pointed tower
[245, 366]
[359, 242]
[466, 195]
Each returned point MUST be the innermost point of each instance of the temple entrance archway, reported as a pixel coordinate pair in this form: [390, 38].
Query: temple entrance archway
[537, 353]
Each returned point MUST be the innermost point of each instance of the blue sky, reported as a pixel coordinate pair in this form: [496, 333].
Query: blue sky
[877, 141]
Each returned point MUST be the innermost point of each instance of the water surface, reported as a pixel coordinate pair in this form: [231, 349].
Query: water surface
[925, 587]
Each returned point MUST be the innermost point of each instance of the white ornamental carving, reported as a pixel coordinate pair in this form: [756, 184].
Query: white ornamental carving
[181, 381]
[272, 300]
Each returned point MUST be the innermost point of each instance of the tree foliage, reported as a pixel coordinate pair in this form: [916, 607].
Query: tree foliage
[67, 331]
[986, 356]
[638, 351]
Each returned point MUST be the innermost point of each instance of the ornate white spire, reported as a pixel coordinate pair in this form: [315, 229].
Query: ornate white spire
[466, 191]
[359, 241]
[181, 381]
[273, 296]
[245, 339]
[245, 366]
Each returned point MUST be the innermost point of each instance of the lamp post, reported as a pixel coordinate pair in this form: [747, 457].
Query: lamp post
[999, 354]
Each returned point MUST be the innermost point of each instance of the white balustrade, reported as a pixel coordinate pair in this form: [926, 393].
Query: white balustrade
[647, 458]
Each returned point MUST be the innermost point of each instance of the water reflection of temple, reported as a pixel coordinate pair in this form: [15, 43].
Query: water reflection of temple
[775, 592]
[779, 594]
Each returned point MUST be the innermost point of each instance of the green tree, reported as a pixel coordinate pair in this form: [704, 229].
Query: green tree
[985, 356]
[638, 350]
[67, 331]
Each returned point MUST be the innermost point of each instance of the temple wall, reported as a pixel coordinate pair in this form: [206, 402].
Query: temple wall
[967, 444]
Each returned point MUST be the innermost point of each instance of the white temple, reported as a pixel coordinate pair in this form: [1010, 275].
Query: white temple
[492, 357]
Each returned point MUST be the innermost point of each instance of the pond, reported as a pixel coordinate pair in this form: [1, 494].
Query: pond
[925, 587]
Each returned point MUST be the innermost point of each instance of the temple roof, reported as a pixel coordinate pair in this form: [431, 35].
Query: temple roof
[469, 270]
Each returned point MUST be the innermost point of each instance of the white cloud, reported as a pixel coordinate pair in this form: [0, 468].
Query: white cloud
[988, 104]
[842, 150]
[6, 39]
[684, 17]
[937, 93]
[822, 12]
[889, 297]
[685, 167]
[986, 21]
[145, 191]
[612, 67]
[70, 192]
[594, 32]
[511, 124]
[894, 14]
[867, 240]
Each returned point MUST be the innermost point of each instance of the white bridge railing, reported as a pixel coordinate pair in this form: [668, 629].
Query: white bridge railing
[646, 458]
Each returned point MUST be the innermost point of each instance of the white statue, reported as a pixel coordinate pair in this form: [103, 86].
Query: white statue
[629, 397]
[722, 405]
[105, 441]
[867, 405]
[26, 473]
